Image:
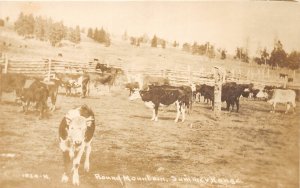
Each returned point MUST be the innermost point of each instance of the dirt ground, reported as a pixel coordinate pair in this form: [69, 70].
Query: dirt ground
[252, 148]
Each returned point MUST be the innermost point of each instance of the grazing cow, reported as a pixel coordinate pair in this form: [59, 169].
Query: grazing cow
[35, 93]
[287, 97]
[76, 131]
[132, 86]
[165, 95]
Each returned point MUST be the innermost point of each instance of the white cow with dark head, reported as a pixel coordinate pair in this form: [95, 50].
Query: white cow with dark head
[75, 133]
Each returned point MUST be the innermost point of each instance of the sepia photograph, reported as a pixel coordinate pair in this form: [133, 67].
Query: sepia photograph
[155, 94]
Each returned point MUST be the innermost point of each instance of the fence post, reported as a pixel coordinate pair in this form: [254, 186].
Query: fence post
[49, 69]
[217, 92]
[285, 81]
[6, 64]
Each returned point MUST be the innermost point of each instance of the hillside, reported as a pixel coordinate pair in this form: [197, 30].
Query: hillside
[121, 53]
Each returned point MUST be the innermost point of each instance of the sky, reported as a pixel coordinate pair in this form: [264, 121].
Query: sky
[226, 24]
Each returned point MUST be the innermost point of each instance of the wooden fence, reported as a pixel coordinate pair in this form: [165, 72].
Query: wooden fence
[178, 75]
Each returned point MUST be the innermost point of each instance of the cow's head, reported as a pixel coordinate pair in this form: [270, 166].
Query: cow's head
[77, 126]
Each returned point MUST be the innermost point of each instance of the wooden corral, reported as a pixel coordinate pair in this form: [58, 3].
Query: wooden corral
[178, 75]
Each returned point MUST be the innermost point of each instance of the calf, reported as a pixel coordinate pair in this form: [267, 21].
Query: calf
[287, 97]
[76, 131]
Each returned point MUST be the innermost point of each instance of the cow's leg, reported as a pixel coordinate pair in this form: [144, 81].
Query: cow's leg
[227, 105]
[153, 114]
[237, 105]
[26, 106]
[294, 106]
[183, 112]
[178, 111]
[76, 162]
[87, 156]
[273, 107]
[156, 112]
[67, 167]
[287, 107]
[53, 101]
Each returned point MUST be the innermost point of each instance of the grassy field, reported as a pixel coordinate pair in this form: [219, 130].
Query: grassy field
[254, 147]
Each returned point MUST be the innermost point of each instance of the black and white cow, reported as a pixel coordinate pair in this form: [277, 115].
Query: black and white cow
[165, 95]
[76, 131]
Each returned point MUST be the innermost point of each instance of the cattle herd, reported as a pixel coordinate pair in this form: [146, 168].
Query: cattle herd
[78, 125]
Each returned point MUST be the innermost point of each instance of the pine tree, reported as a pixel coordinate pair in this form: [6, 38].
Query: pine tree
[90, 33]
[154, 42]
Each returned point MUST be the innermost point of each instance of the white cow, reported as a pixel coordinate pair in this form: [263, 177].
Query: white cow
[75, 133]
[287, 97]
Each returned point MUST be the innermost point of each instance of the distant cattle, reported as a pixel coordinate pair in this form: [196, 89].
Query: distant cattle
[132, 86]
[76, 131]
[105, 69]
[281, 75]
[287, 97]
[154, 81]
[97, 79]
[165, 95]
[231, 93]
[77, 82]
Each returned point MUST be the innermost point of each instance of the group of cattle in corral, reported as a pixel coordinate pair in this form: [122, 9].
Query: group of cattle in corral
[156, 91]
[35, 91]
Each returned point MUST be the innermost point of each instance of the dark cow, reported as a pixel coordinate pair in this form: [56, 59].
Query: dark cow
[281, 75]
[36, 93]
[76, 131]
[165, 95]
[207, 92]
[231, 93]
[12, 82]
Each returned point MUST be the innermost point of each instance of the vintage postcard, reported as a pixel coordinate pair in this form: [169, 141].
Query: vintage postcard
[149, 94]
